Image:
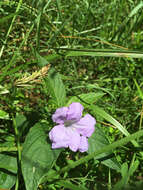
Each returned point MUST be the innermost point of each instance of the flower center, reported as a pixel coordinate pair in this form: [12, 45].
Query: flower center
[68, 123]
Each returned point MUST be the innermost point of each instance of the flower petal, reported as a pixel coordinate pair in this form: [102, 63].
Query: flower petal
[74, 111]
[63, 137]
[58, 136]
[83, 144]
[60, 115]
[85, 126]
[74, 138]
[59, 145]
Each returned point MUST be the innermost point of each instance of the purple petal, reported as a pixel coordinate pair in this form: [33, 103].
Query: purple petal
[59, 145]
[85, 126]
[74, 139]
[58, 136]
[74, 111]
[60, 115]
[83, 144]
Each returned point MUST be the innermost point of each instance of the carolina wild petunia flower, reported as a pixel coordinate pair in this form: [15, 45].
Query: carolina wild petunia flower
[72, 130]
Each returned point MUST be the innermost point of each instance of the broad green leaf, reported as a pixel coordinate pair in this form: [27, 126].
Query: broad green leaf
[37, 156]
[20, 119]
[21, 123]
[4, 115]
[7, 181]
[88, 98]
[8, 162]
[97, 141]
[56, 88]
[71, 186]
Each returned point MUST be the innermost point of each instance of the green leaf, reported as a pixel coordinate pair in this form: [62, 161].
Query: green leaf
[71, 186]
[109, 118]
[8, 164]
[56, 88]
[5, 19]
[52, 57]
[136, 9]
[139, 89]
[37, 156]
[7, 181]
[121, 184]
[133, 167]
[88, 98]
[20, 119]
[97, 141]
[126, 174]
[3, 90]
[21, 123]
[4, 115]
[101, 53]
[41, 60]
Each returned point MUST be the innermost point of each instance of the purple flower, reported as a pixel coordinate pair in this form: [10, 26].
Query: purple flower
[72, 130]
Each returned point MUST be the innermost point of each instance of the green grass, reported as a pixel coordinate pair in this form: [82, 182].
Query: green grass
[95, 49]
